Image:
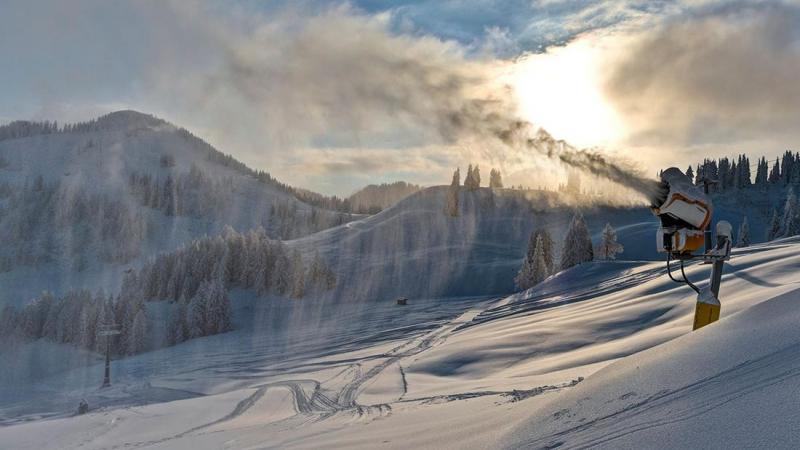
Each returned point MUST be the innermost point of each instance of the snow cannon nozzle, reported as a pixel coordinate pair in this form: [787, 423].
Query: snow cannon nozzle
[684, 211]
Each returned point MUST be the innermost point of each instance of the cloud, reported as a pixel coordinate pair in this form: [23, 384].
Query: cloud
[720, 75]
[267, 84]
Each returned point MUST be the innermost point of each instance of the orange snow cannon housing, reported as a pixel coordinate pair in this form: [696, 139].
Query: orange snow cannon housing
[684, 211]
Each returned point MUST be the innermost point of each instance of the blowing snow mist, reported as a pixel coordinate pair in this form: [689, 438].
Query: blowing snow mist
[341, 79]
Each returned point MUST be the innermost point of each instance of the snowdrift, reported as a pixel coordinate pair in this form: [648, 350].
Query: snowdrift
[732, 385]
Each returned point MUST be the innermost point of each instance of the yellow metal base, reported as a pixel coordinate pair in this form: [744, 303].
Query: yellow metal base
[705, 314]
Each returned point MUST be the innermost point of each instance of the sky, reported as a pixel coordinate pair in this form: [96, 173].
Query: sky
[332, 96]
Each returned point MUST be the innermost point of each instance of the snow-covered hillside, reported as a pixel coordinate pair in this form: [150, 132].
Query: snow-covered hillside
[81, 205]
[600, 355]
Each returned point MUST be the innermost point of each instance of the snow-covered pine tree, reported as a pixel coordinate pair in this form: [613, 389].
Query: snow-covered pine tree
[790, 225]
[524, 278]
[178, 330]
[690, 173]
[495, 179]
[298, 276]
[543, 236]
[282, 275]
[196, 312]
[775, 172]
[577, 247]
[774, 226]
[476, 178]
[452, 194]
[743, 234]
[217, 308]
[539, 269]
[609, 247]
[137, 341]
[468, 179]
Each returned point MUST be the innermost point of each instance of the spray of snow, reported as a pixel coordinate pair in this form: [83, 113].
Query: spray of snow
[342, 78]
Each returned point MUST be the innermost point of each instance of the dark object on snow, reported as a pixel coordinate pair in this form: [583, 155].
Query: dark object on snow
[402, 301]
[83, 407]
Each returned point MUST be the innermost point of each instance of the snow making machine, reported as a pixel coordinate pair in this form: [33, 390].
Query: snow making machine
[685, 213]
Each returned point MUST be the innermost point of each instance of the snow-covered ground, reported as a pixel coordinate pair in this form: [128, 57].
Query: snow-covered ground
[600, 355]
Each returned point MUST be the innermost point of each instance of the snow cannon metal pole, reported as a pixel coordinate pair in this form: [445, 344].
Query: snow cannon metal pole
[708, 305]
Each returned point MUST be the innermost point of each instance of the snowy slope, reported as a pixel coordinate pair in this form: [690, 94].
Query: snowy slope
[602, 354]
[100, 162]
[414, 249]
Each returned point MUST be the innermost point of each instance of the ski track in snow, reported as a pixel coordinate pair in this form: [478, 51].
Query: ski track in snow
[319, 405]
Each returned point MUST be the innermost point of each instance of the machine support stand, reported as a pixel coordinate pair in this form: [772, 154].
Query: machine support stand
[708, 305]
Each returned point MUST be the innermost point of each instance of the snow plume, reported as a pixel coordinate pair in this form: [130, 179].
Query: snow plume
[281, 85]
[341, 79]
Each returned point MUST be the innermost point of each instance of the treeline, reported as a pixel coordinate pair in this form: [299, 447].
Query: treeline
[77, 317]
[727, 174]
[193, 279]
[190, 194]
[26, 128]
[539, 262]
[375, 198]
[471, 183]
[42, 221]
[195, 194]
[134, 120]
[247, 260]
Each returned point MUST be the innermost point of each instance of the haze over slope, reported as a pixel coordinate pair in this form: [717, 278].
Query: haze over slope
[79, 205]
[522, 370]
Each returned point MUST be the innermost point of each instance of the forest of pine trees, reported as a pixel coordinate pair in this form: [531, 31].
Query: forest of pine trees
[38, 214]
[193, 279]
[730, 174]
[539, 263]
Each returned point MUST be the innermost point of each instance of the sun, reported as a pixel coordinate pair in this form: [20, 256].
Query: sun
[561, 91]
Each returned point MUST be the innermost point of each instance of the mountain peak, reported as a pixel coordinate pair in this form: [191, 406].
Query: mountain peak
[129, 118]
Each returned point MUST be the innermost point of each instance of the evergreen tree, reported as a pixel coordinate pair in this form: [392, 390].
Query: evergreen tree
[196, 312]
[282, 275]
[476, 178]
[577, 247]
[495, 179]
[761, 173]
[298, 276]
[609, 247]
[137, 341]
[775, 172]
[790, 225]
[534, 267]
[743, 234]
[774, 226]
[452, 194]
[700, 174]
[725, 175]
[690, 173]
[541, 235]
[469, 181]
[217, 308]
[787, 167]
[178, 327]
